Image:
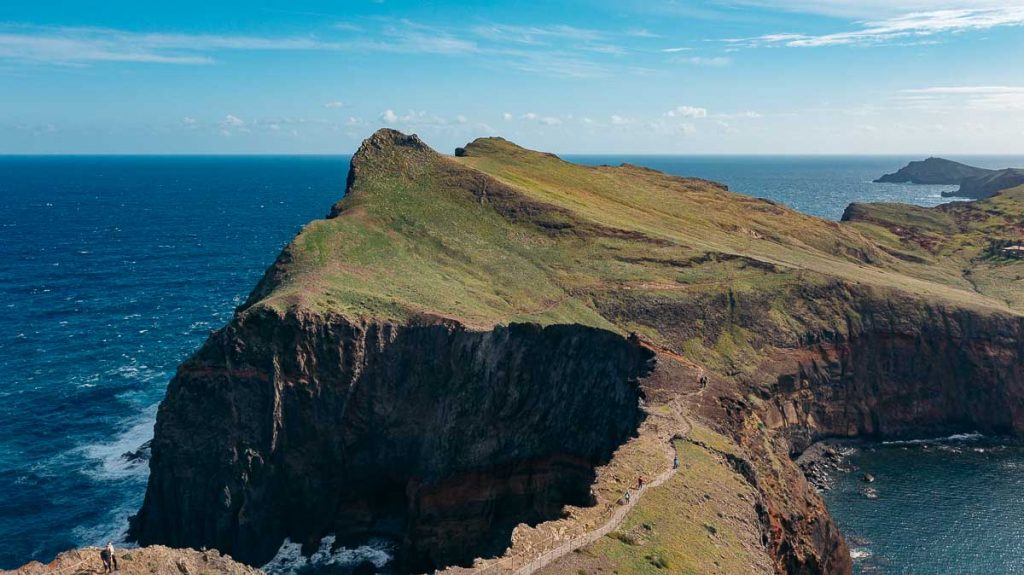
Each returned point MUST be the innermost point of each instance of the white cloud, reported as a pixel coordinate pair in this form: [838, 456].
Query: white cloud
[912, 27]
[506, 116]
[674, 50]
[232, 121]
[550, 121]
[866, 9]
[668, 128]
[687, 112]
[641, 33]
[189, 122]
[704, 60]
[414, 118]
[534, 35]
[619, 120]
[528, 116]
[748, 114]
[80, 45]
[334, 104]
[980, 98]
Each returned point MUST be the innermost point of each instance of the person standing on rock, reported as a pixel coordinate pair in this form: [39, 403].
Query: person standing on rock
[105, 556]
[109, 558]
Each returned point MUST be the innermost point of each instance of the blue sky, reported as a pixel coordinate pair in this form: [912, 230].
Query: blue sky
[615, 76]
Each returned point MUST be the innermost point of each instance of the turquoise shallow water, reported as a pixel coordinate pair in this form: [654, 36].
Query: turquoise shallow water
[943, 508]
[114, 269]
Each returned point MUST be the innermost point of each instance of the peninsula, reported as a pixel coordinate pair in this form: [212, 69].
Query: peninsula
[975, 183]
[478, 357]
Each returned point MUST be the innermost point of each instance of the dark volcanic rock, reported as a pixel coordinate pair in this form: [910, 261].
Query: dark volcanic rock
[438, 437]
[139, 455]
[934, 171]
[987, 185]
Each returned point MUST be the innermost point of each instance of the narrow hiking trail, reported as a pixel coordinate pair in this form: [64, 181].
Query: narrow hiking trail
[671, 425]
[613, 522]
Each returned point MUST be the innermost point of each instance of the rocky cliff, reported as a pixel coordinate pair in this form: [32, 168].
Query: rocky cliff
[154, 560]
[934, 171]
[468, 346]
[437, 436]
[984, 186]
[975, 183]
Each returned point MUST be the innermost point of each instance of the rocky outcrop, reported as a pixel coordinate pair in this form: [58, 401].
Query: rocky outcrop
[438, 437]
[975, 183]
[153, 560]
[985, 186]
[905, 369]
[934, 171]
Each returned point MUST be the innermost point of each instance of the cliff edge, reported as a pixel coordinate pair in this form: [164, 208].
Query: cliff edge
[474, 356]
[975, 183]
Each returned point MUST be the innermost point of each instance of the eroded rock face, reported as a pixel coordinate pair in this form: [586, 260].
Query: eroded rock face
[436, 436]
[907, 370]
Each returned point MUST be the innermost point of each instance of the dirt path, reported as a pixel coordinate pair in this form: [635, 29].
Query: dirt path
[613, 522]
[682, 427]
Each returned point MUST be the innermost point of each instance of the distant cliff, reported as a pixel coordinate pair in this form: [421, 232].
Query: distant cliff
[975, 183]
[471, 348]
[934, 171]
[984, 186]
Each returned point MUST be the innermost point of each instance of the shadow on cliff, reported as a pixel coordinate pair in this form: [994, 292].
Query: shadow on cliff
[437, 437]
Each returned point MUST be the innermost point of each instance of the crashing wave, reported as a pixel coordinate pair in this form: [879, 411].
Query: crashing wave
[290, 560]
[956, 437]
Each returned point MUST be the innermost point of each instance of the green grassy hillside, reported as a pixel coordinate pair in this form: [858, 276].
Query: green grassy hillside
[506, 234]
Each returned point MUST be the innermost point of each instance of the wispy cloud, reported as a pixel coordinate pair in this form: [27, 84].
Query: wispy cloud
[334, 104]
[687, 112]
[82, 45]
[864, 9]
[979, 98]
[908, 27]
[674, 50]
[535, 35]
[704, 60]
[556, 50]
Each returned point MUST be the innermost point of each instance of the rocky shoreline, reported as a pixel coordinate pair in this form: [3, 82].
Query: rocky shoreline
[822, 461]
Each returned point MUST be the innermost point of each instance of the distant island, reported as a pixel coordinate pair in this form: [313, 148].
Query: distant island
[975, 183]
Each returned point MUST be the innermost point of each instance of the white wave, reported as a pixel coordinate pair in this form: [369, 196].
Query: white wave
[108, 455]
[290, 560]
[858, 553]
[974, 436]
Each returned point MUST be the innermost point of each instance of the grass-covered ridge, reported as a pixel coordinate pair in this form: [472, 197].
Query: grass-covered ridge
[503, 234]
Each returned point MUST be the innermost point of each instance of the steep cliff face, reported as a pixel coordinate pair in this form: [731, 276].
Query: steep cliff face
[906, 369]
[438, 437]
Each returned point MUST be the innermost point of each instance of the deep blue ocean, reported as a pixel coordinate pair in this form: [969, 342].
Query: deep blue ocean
[114, 269]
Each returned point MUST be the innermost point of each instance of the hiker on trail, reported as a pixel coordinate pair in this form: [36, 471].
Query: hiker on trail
[105, 556]
[640, 482]
[626, 496]
[703, 381]
[675, 462]
[109, 558]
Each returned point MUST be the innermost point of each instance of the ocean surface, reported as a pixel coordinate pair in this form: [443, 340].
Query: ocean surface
[114, 269]
[945, 507]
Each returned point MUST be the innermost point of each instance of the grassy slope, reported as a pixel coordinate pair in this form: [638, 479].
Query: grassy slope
[954, 238]
[416, 235]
